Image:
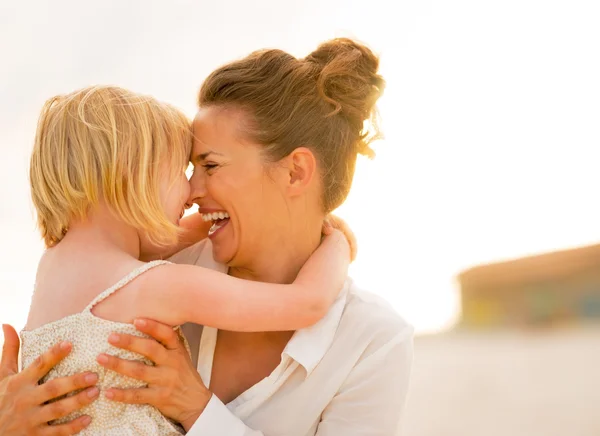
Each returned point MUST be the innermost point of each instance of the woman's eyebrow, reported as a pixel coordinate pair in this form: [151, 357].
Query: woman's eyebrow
[203, 156]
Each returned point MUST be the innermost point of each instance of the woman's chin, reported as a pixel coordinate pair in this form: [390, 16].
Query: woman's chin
[223, 245]
[221, 254]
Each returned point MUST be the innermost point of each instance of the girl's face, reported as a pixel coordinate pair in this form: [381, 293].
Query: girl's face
[174, 192]
[174, 195]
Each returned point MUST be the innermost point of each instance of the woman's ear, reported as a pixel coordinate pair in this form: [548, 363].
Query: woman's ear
[301, 168]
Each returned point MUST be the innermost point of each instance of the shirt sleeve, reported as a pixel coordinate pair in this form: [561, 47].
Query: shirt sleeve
[371, 400]
[217, 420]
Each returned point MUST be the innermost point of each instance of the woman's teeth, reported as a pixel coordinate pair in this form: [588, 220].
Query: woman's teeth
[214, 216]
[218, 220]
[216, 226]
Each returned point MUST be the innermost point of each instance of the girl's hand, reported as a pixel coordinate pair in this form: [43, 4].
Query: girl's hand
[174, 386]
[24, 408]
[335, 222]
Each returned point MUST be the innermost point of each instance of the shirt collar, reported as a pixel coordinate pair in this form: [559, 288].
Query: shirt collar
[308, 346]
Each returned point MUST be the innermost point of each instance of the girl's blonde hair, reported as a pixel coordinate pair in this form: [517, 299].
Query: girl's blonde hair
[104, 143]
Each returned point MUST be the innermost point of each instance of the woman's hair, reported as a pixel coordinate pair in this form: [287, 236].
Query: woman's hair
[325, 101]
[105, 143]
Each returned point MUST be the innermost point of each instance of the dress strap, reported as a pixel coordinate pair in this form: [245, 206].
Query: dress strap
[124, 281]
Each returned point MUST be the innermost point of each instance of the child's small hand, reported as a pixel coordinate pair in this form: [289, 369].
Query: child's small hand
[335, 222]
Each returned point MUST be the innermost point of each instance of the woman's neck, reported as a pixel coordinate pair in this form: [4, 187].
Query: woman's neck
[281, 261]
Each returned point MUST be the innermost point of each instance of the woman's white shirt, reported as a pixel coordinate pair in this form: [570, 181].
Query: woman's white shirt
[346, 375]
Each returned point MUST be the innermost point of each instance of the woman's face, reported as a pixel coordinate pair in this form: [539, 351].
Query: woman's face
[235, 189]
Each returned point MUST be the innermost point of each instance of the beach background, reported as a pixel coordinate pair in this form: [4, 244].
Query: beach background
[491, 153]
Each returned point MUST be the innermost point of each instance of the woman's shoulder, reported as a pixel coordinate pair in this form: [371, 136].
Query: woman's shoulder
[372, 318]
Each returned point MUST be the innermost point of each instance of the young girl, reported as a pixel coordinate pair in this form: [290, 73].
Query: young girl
[109, 186]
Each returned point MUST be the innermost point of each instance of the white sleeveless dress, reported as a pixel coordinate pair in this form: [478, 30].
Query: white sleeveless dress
[89, 336]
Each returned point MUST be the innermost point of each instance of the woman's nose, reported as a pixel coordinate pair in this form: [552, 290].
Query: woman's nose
[197, 186]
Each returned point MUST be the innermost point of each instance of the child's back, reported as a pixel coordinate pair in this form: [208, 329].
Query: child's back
[71, 274]
[88, 334]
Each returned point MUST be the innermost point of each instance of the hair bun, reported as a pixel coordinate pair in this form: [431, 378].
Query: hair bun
[348, 79]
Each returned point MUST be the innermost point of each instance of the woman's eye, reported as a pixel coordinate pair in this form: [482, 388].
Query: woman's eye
[209, 166]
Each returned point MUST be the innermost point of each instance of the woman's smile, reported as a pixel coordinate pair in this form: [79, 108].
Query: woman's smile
[219, 219]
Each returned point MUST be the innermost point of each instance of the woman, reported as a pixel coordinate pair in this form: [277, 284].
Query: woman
[276, 145]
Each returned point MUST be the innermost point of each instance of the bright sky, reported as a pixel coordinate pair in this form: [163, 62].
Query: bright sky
[492, 118]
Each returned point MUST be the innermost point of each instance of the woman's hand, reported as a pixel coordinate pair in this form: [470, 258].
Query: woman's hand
[23, 402]
[174, 386]
[335, 222]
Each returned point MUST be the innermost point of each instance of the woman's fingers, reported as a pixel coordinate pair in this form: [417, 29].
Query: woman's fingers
[23, 402]
[137, 370]
[62, 408]
[67, 429]
[163, 333]
[146, 347]
[61, 386]
[40, 367]
[174, 387]
[132, 396]
[10, 351]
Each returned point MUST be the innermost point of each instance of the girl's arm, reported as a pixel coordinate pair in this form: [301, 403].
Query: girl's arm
[184, 293]
[194, 229]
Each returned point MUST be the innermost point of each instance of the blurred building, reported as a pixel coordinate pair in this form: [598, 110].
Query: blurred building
[561, 287]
